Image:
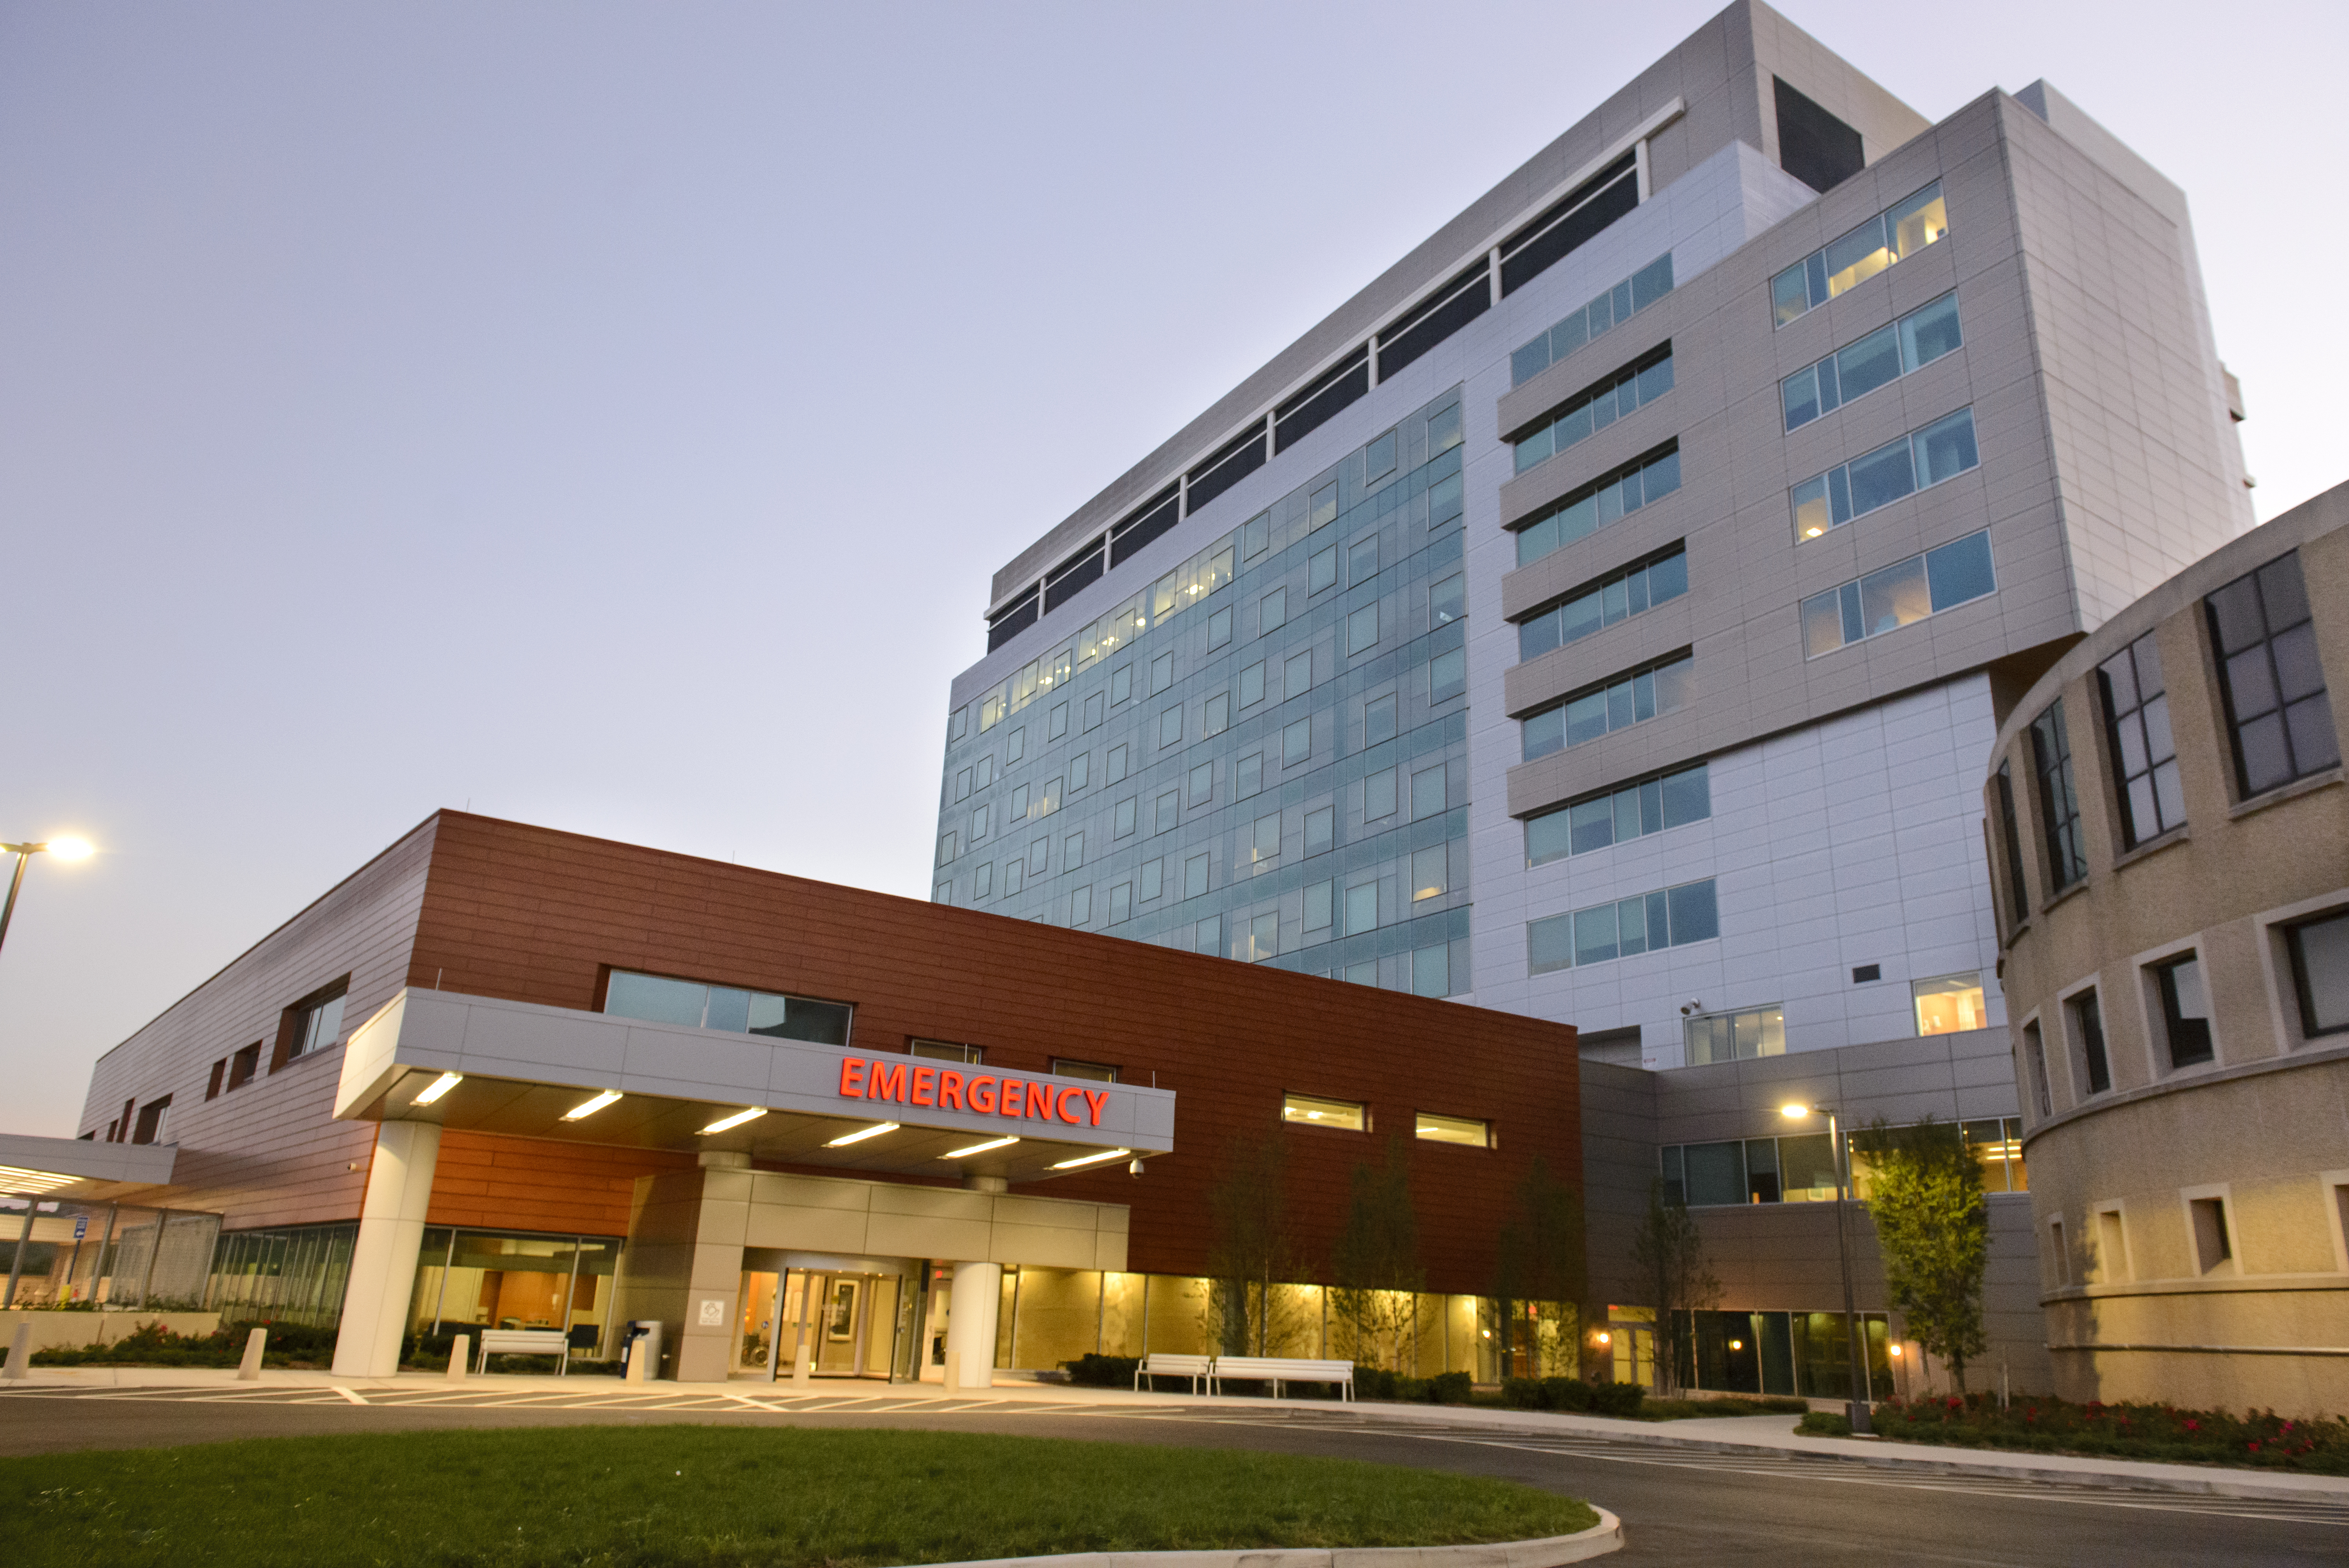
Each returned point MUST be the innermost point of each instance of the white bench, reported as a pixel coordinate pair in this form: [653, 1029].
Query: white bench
[1280, 1369]
[1160, 1365]
[527, 1342]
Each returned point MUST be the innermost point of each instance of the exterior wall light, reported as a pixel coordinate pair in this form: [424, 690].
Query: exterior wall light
[439, 1086]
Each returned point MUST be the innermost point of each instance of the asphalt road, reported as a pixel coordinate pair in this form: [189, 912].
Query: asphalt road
[1678, 1506]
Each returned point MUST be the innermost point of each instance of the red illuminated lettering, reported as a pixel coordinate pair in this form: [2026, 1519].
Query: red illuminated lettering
[950, 1089]
[1013, 1104]
[925, 1082]
[982, 1094]
[1040, 1101]
[888, 1081]
[1061, 1101]
[851, 1078]
[1094, 1099]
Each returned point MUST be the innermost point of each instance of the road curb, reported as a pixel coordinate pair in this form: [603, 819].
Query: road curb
[1548, 1551]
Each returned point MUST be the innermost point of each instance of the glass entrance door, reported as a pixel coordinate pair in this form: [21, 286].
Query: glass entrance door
[842, 1325]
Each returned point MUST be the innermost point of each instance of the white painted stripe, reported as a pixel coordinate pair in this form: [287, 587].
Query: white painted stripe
[346, 1394]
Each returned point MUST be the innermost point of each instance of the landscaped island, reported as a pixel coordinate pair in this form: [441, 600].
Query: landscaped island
[697, 1496]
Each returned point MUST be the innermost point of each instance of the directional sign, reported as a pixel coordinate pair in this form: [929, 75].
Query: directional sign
[81, 1226]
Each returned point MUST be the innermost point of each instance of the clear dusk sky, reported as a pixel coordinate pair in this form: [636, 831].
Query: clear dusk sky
[608, 416]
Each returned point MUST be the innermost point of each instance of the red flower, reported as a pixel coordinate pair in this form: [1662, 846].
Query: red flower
[2255, 1445]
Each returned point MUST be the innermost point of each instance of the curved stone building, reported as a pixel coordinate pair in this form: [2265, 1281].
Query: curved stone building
[2169, 845]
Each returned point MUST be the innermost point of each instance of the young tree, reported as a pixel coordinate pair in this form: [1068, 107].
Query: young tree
[1544, 1270]
[1669, 1251]
[1377, 1262]
[1254, 1252]
[1932, 1225]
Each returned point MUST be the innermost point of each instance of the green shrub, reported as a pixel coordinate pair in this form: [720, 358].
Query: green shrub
[2043, 1423]
[1451, 1388]
[152, 1345]
[1525, 1394]
[1824, 1424]
[1373, 1382]
[1102, 1371]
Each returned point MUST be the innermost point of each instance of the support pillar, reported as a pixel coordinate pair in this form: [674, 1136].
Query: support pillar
[970, 1327]
[383, 1262]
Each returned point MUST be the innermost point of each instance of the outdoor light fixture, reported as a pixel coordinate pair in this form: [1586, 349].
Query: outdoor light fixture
[587, 1108]
[970, 1150]
[1093, 1158]
[70, 849]
[1857, 1405]
[861, 1134]
[64, 849]
[1737, 1345]
[1605, 1338]
[1795, 1112]
[737, 1119]
[440, 1087]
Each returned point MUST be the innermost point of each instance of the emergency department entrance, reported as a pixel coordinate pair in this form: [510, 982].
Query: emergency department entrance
[805, 1316]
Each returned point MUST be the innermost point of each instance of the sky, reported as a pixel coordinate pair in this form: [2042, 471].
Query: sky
[609, 416]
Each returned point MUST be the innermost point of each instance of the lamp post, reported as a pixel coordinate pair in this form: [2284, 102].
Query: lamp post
[65, 849]
[1856, 1406]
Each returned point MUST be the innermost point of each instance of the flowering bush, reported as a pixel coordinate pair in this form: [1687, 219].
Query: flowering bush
[2147, 1432]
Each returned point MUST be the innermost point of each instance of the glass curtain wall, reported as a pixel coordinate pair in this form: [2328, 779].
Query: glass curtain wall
[293, 1273]
[467, 1281]
[1799, 1353]
[105, 1255]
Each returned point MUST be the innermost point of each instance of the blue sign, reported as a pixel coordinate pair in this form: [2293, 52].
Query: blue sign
[81, 1226]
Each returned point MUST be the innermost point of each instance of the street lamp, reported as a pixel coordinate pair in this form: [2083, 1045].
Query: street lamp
[64, 849]
[1857, 1404]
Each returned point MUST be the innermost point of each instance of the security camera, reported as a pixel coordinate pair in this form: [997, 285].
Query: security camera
[1133, 1166]
[1691, 1005]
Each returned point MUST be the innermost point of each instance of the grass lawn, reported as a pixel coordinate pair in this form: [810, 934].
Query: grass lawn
[633, 1497]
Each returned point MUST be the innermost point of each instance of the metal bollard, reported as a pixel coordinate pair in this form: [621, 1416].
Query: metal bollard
[461, 1352]
[20, 1352]
[249, 1369]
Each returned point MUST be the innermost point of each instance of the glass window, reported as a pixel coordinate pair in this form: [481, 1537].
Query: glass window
[1202, 782]
[1080, 771]
[1732, 1037]
[1379, 457]
[1263, 937]
[1170, 726]
[1073, 852]
[1120, 903]
[1252, 686]
[1016, 748]
[1080, 906]
[1612, 307]
[1606, 500]
[1427, 797]
[1094, 1072]
[1320, 829]
[982, 881]
[1256, 535]
[1317, 907]
[1297, 742]
[1447, 676]
[1894, 234]
[1430, 971]
[1267, 838]
[1321, 570]
[1715, 1172]
[1875, 360]
[1624, 701]
[1447, 600]
[2320, 973]
[1429, 873]
[2034, 1058]
[1363, 558]
[1297, 675]
[1151, 879]
[1899, 596]
[1362, 908]
[1194, 876]
[2278, 711]
[1322, 507]
[1096, 705]
[1014, 873]
[1216, 716]
[1040, 855]
[1272, 611]
[1613, 599]
[1116, 765]
[1670, 917]
[1057, 725]
[2087, 1021]
[1165, 810]
[944, 1051]
[1345, 1115]
[657, 1000]
[962, 785]
[1433, 1128]
[1248, 778]
[2059, 798]
[1950, 1002]
[1207, 936]
[2145, 758]
[1918, 460]
[2185, 1011]
[1162, 673]
[1363, 629]
[1379, 794]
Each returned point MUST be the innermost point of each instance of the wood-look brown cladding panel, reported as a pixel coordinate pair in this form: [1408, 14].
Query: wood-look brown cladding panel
[535, 915]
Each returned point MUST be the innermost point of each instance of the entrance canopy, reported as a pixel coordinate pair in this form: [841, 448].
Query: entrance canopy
[531, 1071]
[80, 1168]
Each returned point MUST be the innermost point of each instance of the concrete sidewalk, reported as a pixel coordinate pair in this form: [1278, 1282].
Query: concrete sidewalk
[1771, 1436]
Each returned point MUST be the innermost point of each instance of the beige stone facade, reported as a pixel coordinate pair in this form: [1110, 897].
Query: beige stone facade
[2174, 991]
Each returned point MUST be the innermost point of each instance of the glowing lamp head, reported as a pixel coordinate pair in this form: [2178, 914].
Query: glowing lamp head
[70, 849]
[1794, 1112]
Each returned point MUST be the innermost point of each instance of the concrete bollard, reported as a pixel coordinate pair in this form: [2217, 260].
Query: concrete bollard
[249, 1369]
[460, 1353]
[20, 1352]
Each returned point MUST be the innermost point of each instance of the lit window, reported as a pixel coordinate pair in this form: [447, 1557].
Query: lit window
[1895, 234]
[1952, 1002]
[1064, 1067]
[1734, 1036]
[1436, 1128]
[944, 1051]
[1343, 1114]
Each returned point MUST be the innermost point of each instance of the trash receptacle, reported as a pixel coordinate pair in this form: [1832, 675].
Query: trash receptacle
[640, 1352]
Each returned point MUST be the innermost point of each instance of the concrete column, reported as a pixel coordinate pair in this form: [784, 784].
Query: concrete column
[970, 1326]
[383, 1263]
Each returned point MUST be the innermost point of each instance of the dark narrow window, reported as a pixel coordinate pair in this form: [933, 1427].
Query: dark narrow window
[1012, 620]
[1064, 581]
[2018, 895]
[1567, 224]
[2320, 973]
[1445, 311]
[220, 1071]
[2088, 1029]
[1147, 522]
[2277, 709]
[1327, 395]
[2059, 800]
[1240, 457]
[150, 1121]
[2145, 758]
[244, 1066]
[1814, 146]
[2185, 1011]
